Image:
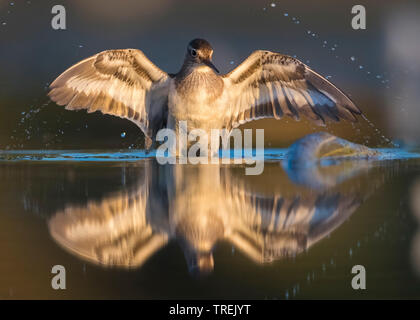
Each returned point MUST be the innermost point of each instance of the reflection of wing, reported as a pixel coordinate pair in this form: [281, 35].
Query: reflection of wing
[122, 83]
[112, 232]
[266, 217]
[270, 85]
[272, 227]
[275, 218]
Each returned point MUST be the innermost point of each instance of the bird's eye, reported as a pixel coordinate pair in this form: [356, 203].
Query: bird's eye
[193, 52]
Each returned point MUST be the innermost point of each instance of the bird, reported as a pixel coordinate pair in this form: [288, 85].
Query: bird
[126, 84]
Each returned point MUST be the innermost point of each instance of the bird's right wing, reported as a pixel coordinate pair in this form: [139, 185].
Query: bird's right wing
[123, 83]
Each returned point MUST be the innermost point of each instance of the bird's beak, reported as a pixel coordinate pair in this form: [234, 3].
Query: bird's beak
[210, 64]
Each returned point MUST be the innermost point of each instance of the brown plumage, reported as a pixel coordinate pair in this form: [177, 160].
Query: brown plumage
[274, 85]
[126, 84]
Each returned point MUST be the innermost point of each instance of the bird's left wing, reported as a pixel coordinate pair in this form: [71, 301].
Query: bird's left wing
[123, 83]
[270, 227]
[270, 85]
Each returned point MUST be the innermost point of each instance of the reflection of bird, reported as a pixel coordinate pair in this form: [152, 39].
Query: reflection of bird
[415, 243]
[125, 83]
[198, 206]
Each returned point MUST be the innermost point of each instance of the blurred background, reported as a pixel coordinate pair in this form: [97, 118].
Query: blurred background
[379, 68]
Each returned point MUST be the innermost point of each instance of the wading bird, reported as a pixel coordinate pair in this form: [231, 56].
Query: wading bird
[125, 83]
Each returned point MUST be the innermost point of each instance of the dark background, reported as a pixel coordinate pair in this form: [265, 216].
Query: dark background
[386, 86]
[382, 235]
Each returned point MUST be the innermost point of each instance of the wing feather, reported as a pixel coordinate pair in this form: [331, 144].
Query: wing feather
[113, 231]
[122, 83]
[271, 85]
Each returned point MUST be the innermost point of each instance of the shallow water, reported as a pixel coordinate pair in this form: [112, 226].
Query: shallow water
[125, 227]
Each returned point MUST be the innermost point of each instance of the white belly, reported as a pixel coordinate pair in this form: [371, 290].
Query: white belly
[197, 108]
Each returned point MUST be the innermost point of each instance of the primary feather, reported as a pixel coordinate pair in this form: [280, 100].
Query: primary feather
[271, 85]
[122, 83]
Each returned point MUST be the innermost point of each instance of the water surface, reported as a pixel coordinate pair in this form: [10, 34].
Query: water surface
[124, 226]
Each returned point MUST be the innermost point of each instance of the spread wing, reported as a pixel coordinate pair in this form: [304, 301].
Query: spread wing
[273, 227]
[122, 83]
[111, 232]
[270, 85]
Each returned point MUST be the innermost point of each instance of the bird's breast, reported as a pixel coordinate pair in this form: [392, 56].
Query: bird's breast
[200, 86]
[196, 97]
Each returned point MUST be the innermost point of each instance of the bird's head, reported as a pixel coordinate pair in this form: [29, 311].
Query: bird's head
[199, 51]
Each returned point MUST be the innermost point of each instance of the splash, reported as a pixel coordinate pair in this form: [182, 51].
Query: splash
[379, 78]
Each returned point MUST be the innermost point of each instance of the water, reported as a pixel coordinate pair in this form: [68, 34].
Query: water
[125, 227]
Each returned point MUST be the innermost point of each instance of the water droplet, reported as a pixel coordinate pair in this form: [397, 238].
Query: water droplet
[378, 76]
[3, 23]
[313, 34]
[232, 62]
[293, 18]
[80, 45]
[309, 31]
[352, 58]
[297, 22]
[123, 134]
[273, 5]
[325, 41]
[12, 3]
[332, 49]
[360, 67]
[286, 14]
